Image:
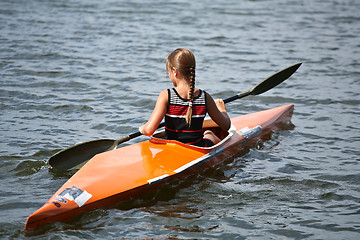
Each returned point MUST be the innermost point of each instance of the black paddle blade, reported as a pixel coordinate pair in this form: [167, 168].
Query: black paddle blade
[267, 84]
[77, 154]
[274, 80]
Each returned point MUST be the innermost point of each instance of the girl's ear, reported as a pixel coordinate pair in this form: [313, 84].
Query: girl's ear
[175, 72]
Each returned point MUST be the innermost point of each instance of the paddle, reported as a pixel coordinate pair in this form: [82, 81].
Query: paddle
[82, 152]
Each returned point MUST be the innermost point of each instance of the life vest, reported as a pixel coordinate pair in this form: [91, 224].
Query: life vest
[176, 127]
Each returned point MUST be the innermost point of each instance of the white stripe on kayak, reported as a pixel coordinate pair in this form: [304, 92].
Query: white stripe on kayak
[208, 156]
[150, 181]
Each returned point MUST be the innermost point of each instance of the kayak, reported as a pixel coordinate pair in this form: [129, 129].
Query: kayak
[129, 172]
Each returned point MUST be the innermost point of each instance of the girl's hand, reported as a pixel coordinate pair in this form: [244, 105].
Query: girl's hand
[141, 129]
[220, 105]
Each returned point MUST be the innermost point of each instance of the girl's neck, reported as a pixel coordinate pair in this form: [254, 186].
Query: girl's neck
[183, 89]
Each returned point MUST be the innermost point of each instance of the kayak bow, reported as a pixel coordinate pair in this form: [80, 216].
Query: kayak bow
[129, 172]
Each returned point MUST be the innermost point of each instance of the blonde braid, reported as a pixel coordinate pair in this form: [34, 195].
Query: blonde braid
[191, 94]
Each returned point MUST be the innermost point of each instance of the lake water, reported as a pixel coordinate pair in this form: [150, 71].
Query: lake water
[72, 71]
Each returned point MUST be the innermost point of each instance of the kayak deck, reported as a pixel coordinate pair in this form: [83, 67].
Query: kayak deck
[128, 172]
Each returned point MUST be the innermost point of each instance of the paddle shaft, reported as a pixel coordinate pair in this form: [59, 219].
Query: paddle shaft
[80, 153]
[240, 95]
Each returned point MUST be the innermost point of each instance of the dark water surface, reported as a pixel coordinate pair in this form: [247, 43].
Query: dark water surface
[73, 71]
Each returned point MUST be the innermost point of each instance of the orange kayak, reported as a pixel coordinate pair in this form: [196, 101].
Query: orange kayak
[128, 172]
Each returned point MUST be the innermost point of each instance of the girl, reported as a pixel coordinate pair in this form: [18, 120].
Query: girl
[184, 107]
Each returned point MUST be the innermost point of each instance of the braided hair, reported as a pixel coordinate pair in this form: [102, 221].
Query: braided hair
[183, 60]
[191, 94]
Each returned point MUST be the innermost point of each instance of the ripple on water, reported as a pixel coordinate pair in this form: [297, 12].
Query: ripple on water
[72, 71]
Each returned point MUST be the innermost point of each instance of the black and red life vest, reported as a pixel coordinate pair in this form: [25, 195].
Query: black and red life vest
[175, 124]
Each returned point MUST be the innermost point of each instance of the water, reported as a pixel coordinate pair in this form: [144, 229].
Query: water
[73, 71]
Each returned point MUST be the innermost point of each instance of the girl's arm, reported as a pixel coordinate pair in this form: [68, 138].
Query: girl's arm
[157, 115]
[217, 112]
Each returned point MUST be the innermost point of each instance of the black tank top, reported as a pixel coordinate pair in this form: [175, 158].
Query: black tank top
[176, 127]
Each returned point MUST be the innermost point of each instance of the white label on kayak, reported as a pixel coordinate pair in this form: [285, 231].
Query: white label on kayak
[249, 133]
[83, 198]
[76, 194]
[150, 181]
[208, 156]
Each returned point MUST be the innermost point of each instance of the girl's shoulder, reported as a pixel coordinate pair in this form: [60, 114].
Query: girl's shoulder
[163, 95]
